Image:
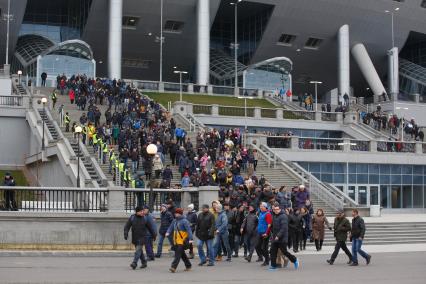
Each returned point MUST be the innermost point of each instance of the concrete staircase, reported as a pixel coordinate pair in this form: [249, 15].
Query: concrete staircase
[49, 124]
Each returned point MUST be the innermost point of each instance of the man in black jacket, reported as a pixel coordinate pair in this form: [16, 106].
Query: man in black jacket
[280, 237]
[166, 219]
[249, 231]
[204, 231]
[357, 236]
[341, 229]
[139, 227]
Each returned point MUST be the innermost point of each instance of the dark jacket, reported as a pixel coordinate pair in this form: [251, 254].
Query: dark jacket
[139, 228]
[341, 229]
[151, 221]
[358, 228]
[222, 222]
[249, 225]
[205, 227]
[280, 227]
[165, 221]
[192, 219]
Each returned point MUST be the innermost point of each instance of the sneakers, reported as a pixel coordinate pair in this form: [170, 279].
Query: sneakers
[144, 265]
[368, 259]
[202, 263]
[172, 270]
[353, 264]
[210, 264]
[133, 265]
[271, 268]
[329, 261]
[296, 264]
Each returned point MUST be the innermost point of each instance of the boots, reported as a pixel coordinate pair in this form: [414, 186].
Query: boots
[317, 245]
[320, 245]
[304, 244]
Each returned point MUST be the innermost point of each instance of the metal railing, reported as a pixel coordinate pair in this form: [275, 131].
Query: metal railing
[249, 92]
[360, 145]
[278, 142]
[53, 199]
[328, 116]
[11, 100]
[175, 87]
[235, 111]
[202, 109]
[268, 113]
[223, 90]
[298, 114]
[146, 85]
[320, 144]
[396, 146]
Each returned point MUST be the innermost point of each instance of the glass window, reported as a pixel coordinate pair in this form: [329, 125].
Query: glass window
[351, 192]
[362, 168]
[352, 178]
[384, 196]
[384, 169]
[418, 170]
[362, 195]
[373, 168]
[339, 168]
[339, 178]
[407, 196]
[396, 196]
[314, 167]
[396, 169]
[326, 167]
[407, 179]
[362, 178]
[384, 179]
[327, 178]
[352, 168]
[374, 195]
[395, 179]
[373, 179]
[417, 179]
[407, 170]
[417, 196]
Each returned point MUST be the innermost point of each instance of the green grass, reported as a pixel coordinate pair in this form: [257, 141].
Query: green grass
[17, 175]
[164, 98]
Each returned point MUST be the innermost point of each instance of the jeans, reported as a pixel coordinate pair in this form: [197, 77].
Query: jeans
[210, 250]
[251, 242]
[148, 247]
[139, 253]
[262, 248]
[160, 243]
[224, 237]
[134, 166]
[356, 248]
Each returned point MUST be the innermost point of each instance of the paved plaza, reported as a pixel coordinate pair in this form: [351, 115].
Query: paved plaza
[385, 268]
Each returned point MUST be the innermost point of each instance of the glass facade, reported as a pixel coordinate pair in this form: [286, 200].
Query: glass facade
[391, 186]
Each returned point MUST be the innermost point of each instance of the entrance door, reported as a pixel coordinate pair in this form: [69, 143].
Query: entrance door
[365, 195]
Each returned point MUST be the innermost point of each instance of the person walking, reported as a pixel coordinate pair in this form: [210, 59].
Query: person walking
[166, 219]
[319, 223]
[191, 216]
[279, 237]
[205, 230]
[222, 234]
[139, 227]
[341, 229]
[67, 121]
[249, 232]
[180, 230]
[43, 79]
[357, 237]
[263, 231]
[9, 195]
[149, 238]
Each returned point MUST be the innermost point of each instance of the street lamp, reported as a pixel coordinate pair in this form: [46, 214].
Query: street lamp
[8, 18]
[392, 15]
[402, 122]
[316, 92]
[235, 44]
[161, 40]
[19, 76]
[180, 81]
[78, 131]
[151, 151]
[43, 101]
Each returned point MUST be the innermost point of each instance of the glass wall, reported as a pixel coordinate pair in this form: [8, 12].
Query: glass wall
[58, 64]
[396, 186]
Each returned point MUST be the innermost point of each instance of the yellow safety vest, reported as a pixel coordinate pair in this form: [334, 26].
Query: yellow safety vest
[95, 139]
[126, 175]
[67, 119]
[105, 150]
[84, 131]
[133, 183]
[121, 167]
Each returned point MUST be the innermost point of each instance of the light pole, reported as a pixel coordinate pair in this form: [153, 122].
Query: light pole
[391, 51]
[402, 122]
[393, 32]
[161, 40]
[78, 131]
[245, 110]
[316, 92]
[180, 82]
[151, 151]
[235, 44]
[8, 18]
[43, 101]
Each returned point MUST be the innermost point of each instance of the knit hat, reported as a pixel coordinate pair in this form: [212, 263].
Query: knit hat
[179, 211]
[191, 207]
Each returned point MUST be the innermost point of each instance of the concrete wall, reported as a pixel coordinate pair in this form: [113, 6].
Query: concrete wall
[50, 173]
[15, 140]
[5, 86]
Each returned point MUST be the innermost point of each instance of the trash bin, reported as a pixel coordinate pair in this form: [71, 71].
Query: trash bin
[374, 210]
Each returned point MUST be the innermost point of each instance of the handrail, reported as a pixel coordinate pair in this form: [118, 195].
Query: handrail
[100, 189]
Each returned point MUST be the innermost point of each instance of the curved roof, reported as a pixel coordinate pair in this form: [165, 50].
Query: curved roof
[276, 64]
[31, 46]
[222, 66]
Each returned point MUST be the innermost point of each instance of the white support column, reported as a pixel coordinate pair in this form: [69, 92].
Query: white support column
[203, 42]
[344, 61]
[115, 37]
[393, 60]
[367, 68]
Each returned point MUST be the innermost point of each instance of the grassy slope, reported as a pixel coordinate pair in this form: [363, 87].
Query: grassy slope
[17, 175]
[164, 98]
